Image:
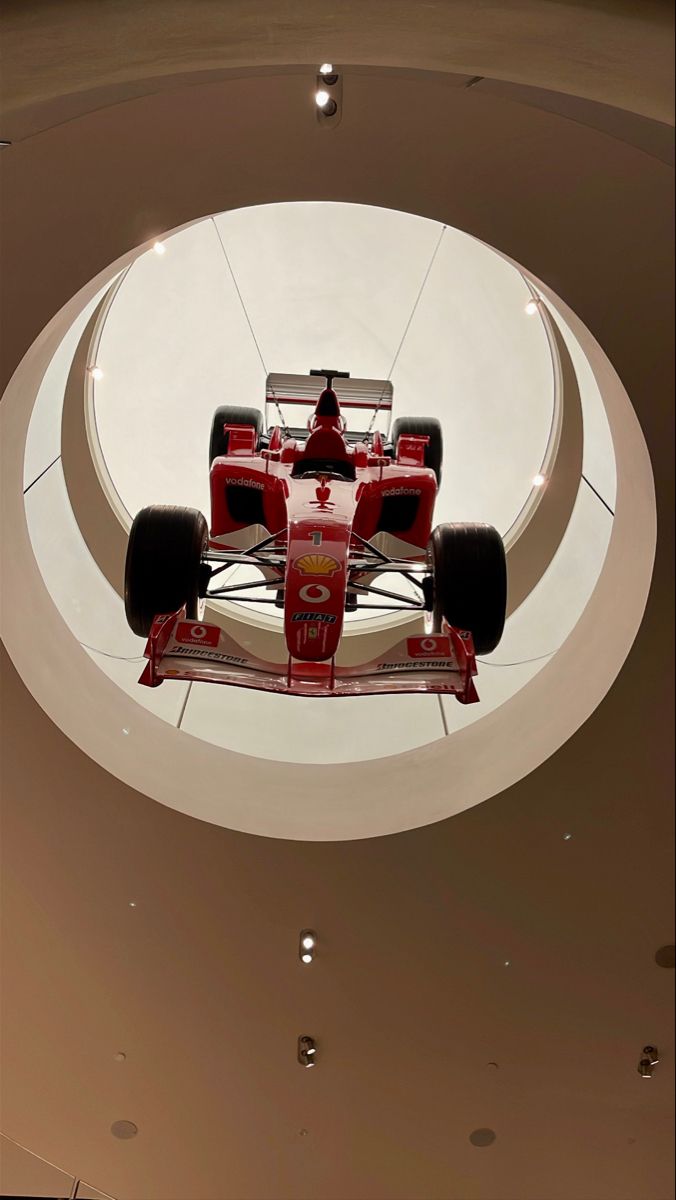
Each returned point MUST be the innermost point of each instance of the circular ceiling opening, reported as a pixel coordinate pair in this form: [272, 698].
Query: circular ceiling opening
[465, 336]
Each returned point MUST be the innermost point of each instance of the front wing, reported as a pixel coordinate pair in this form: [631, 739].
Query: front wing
[442, 663]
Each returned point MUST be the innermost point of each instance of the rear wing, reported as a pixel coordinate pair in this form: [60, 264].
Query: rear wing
[366, 404]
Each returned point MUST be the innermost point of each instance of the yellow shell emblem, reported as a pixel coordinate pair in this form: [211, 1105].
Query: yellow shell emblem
[317, 564]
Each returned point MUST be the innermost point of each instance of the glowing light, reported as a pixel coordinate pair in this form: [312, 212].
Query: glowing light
[96, 373]
[532, 307]
[322, 99]
[159, 248]
[538, 480]
[308, 941]
[326, 69]
[306, 958]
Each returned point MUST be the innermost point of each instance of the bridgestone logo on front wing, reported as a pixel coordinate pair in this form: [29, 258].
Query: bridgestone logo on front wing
[189, 652]
[423, 664]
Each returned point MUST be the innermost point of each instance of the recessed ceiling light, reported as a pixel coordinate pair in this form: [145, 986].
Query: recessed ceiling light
[124, 1129]
[567, 837]
[306, 946]
[482, 1137]
[538, 480]
[507, 962]
[322, 98]
[159, 248]
[96, 372]
[132, 904]
[532, 307]
[120, 1056]
[326, 69]
[664, 957]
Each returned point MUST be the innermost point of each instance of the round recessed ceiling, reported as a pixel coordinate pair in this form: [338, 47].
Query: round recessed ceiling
[313, 770]
[665, 956]
[482, 1137]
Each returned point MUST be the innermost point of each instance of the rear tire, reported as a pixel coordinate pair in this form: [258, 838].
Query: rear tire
[422, 427]
[162, 571]
[469, 573]
[229, 414]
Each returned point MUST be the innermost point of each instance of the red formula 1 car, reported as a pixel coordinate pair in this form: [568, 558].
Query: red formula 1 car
[321, 512]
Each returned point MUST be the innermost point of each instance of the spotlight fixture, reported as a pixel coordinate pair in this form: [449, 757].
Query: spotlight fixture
[328, 74]
[539, 480]
[96, 372]
[328, 94]
[323, 100]
[306, 945]
[651, 1053]
[645, 1068]
[159, 248]
[307, 1050]
[532, 306]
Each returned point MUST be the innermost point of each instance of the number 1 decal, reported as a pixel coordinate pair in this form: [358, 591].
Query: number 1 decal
[316, 537]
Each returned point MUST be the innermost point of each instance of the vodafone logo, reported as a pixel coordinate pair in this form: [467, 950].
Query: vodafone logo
[314, 593]
[428, 647]
[190, 633]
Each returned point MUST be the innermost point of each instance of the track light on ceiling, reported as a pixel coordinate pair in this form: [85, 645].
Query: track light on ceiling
[306, 945]
[328, 95]
[307, 1051]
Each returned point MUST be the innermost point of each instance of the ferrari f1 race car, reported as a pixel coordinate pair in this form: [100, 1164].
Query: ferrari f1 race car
[322, 511]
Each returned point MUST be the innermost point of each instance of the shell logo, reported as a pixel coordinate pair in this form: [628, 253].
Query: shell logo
[317, 564]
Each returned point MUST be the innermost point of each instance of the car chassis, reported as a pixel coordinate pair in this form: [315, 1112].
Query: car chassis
[318, 486]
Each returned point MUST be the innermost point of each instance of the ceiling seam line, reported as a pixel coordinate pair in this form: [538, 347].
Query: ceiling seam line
[239, 295]
[184, 705]
[416, 302]
[444, 722]
[598, 495]
[38, 477]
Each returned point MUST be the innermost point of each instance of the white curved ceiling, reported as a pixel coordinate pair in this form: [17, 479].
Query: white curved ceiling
[289, 287]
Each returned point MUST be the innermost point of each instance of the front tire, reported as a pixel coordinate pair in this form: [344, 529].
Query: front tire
[162, 571]
[469, 572]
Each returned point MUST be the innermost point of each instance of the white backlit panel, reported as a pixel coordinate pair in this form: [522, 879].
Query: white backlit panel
[300, 729]
[325, 285]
